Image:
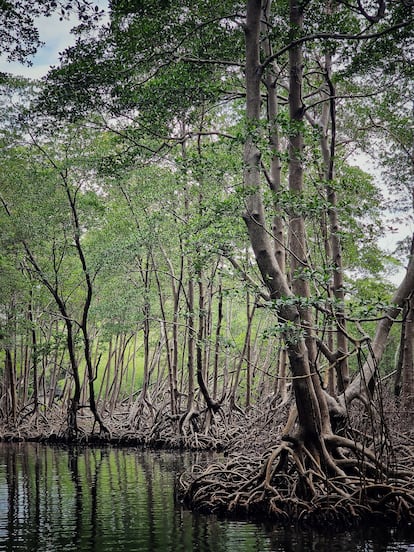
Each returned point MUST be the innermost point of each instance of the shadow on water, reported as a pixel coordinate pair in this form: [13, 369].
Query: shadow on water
[108, 499]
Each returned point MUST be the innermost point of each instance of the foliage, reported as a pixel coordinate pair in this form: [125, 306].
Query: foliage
[132, 151]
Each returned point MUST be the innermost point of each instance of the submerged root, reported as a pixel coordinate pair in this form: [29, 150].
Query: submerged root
[290, 484]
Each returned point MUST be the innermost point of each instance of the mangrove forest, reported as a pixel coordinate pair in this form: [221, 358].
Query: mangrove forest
[206, 245]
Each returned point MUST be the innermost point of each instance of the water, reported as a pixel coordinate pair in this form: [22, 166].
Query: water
[116, 500]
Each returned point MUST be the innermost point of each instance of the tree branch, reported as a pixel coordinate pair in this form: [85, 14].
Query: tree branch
[334, 36]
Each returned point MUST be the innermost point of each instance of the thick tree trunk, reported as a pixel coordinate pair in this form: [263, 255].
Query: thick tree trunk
[308, 402]
[311, 465]
[407, 392]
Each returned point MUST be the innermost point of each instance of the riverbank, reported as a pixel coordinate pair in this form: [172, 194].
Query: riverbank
[227, 430]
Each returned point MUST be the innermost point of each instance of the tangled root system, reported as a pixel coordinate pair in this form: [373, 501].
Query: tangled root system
[289, 485]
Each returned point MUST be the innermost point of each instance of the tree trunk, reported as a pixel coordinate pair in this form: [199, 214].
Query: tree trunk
[407, 391]
[307, 401]
[217, 340]
[328, 153]
[369, 372]
[191, 342]
[34, 355]
[86, 306]
[212, 405]
[9, 370]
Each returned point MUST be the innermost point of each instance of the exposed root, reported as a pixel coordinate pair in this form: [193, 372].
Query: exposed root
[290, 484]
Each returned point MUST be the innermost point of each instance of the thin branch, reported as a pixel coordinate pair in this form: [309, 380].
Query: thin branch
[334, 36]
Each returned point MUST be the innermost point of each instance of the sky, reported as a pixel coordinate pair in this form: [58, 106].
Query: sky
[388, 243]
[56, 36]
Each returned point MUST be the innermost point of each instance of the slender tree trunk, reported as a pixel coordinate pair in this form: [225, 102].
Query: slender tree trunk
[106, 376]
[191, 343]
[146, 325]
[176, 287]
[281, 386]
[328, 153]
[211, 405]
[84, 325]
[243, 355]
[398, 380]
[34, 355]
[274, 180]
[9, 369]
[164, 324]
[26, 352]
[369, 371]
[217, 340]
[134, 369]
[248, 357]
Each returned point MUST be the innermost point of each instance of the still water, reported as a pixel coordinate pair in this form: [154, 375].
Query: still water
[54, 499]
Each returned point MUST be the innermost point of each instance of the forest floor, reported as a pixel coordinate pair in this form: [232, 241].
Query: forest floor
[154, 426]
[234, 429]
[231, 430]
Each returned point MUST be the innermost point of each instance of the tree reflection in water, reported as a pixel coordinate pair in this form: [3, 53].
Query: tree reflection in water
[106, 499]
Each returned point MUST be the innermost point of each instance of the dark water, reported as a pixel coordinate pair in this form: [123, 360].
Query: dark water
[118, 500]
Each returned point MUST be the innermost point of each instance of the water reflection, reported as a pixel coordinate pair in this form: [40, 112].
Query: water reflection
[79, 499]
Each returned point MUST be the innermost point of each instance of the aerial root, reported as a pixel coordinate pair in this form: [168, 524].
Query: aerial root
[289, 485]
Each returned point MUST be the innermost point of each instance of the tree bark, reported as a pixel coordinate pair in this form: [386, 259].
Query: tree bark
[309, 412]
[407, 394]
[328, 154]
